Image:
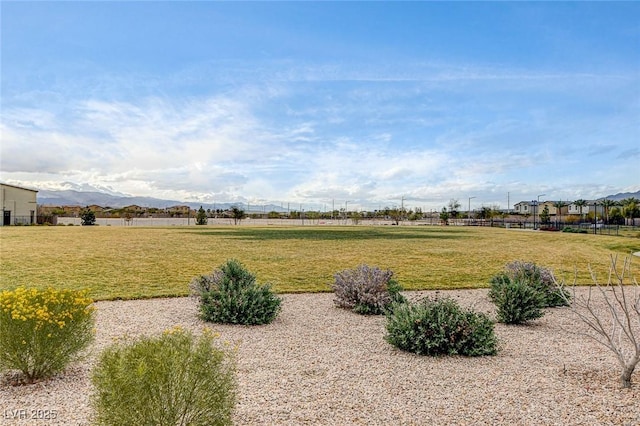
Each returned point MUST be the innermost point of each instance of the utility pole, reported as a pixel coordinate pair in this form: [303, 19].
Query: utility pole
[346, 209]
[469, 209]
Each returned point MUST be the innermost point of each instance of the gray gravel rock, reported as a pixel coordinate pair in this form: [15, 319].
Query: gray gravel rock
[317, 364]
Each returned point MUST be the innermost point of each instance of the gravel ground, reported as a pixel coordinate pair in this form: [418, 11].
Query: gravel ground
[317, 364]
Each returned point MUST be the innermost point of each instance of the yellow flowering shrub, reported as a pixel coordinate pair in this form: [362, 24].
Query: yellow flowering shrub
[42, 331]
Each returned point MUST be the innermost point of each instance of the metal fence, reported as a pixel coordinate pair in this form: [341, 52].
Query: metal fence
[19, 220]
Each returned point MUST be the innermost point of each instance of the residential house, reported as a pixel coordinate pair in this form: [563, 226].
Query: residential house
[179, 210]
[72, 211]
[95, 208]
[134, 209]
[523, 207]
[588, 209]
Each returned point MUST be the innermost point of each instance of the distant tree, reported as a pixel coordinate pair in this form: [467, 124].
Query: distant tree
[345, 214]
[88, 217]
[58, 211]
[273, 215]
[416, 215]
[396, 215]
[630, 208]
[444, 216]
[559, 205]
[580, 203]
[484, 213]
[454, 208]
[313, 215]
[545, 217]
[503, 215]
[356, 218]
[201, 217]
[607, 204]
[488, 213]
[616, 217]
[238, 214]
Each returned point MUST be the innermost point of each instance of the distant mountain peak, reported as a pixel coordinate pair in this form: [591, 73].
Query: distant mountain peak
[72, 197]
[621, 196]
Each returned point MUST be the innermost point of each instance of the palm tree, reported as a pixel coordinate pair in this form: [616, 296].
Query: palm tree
[580, 203]
[630, 208]
[607, 204]
[559, 205]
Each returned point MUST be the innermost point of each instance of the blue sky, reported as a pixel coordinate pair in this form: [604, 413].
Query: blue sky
[316, 103]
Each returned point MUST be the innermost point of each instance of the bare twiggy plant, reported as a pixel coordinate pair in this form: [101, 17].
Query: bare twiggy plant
[617, 327]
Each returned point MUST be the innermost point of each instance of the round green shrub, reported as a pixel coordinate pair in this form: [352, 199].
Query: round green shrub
[231, 295]
[367, 290]
[88, 218]
[173, 379]
[42, 331]
[440, 327]
[517, 301]
[542, 279]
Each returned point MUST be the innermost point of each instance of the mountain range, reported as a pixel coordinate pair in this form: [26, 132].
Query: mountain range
[85, 198]
[69, 197]
[621, 196]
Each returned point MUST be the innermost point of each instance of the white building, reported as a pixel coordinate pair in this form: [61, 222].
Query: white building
[18, 204]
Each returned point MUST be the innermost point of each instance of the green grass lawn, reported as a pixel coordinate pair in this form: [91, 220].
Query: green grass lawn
[137, 262]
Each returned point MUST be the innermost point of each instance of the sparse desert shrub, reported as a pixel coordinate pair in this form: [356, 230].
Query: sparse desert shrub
[617, 326]
[440, 327]
[542, 279]
[231, 295]
[173, 379]
[516, 300]
[367, 290]
[42, 331]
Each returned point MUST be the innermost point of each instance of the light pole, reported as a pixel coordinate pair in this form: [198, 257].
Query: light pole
[537, 209]
[469, 209]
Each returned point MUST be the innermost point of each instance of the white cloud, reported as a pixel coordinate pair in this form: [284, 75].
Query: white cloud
[427, 133]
